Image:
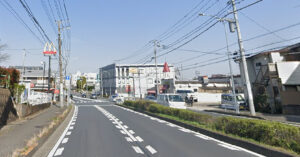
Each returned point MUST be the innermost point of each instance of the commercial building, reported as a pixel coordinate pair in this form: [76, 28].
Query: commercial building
[36, 75]
[276, 75]
[136, 80]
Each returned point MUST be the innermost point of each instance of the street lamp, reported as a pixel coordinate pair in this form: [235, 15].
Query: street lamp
[231, 22]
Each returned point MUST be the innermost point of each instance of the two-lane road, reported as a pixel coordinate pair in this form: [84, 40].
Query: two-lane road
[101, 129]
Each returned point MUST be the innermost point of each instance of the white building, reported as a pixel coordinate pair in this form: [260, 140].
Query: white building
[133, 79]
[91, 78]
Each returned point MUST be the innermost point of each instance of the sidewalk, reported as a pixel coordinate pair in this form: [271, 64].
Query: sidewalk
[15, 135]
[289, 119]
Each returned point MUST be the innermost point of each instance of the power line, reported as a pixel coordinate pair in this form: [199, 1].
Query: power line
[35, 21]
[17, 16]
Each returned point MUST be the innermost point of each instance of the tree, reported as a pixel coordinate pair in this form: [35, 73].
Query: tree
[81, 83]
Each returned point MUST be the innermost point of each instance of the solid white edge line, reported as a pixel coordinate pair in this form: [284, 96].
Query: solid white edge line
[150, 149]
[62, 136]
[228, 147]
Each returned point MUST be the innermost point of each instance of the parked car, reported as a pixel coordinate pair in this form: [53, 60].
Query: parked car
[83, 95]
[171, 100]
[119, 100]
[227, 102]
[93, 96]
[151, 98]
[113, 98]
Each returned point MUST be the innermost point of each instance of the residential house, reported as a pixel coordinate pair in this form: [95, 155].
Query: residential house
[276, 74]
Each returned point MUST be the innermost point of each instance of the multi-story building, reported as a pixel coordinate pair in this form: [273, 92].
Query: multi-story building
[132, 79]
[91, 78]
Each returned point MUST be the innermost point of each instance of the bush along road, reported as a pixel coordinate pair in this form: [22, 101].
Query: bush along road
[271, 138]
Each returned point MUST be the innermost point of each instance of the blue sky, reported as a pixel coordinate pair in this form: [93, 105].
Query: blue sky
[104, 31]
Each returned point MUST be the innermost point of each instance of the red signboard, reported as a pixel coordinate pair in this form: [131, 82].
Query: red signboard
[49, 52]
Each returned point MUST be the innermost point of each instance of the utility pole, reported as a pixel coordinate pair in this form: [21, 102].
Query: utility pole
[155, 45]
[140, 88]
[243, 60]
[61, 90]
[24, 55]
[230, 69]
[44, 66]
[49, 74]
[101, 82]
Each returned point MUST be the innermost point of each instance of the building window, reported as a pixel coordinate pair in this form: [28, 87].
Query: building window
[258, 64]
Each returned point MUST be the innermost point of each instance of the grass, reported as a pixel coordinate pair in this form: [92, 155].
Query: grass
[33, 142]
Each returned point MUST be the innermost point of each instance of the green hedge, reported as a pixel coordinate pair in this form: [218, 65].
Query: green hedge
[267, 132]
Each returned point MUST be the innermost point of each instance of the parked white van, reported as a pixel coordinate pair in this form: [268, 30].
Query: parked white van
[171, 100]
[227, 102]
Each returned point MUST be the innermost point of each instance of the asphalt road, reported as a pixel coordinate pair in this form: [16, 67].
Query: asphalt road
[101, 129]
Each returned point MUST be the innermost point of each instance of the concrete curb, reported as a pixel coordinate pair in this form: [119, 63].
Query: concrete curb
[234, 114]
[235, 141]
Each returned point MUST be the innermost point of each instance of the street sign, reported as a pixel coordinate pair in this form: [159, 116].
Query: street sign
[67, 77]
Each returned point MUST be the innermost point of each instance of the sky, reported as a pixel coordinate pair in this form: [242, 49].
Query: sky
[106, 31]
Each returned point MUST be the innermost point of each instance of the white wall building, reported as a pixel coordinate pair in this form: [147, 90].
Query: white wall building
[91, 78]
[132, 79]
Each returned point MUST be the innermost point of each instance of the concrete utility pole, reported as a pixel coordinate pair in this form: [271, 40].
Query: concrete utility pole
[61, 90]
[44, 66]
[101, 81]
[24, 55]
[156, 74]
[230, 69]
[243, 60]
[49, 74]
[140, 87]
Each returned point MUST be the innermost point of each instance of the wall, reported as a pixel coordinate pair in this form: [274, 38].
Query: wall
[290, 99]
[7, 110]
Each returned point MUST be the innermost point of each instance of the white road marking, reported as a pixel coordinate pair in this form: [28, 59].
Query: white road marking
[59, 151]
[71, 128]
[54, 149]
[228, 147]
[68, 133]
[137, 149]
[118, 127]
[123, 132]
[151, 150]
[224, 144]
[65, 140]
[128, 139]
[171, 125]
[139, 139]
[131, 131]
[125, 126]
[185, 130]
[73, 123]
[203, 136]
